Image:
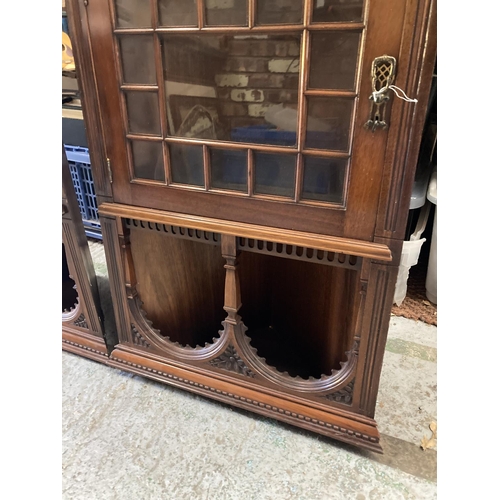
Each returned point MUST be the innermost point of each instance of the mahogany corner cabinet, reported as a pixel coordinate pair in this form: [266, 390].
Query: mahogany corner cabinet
[253, 165]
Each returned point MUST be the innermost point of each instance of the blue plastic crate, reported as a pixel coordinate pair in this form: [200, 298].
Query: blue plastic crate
[264, 134]
[268, 134]
[65, 26]
[81, 173]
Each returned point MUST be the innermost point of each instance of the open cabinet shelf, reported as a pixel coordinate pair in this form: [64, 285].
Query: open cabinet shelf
[180, 281]
[298, 314]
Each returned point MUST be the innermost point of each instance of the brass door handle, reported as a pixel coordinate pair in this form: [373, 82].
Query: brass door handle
[383, 74]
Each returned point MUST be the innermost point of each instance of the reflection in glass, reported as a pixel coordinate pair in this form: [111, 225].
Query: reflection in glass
[178, 13]
[147, 159]
[275, 174]
[138, 59]
[279, 12]
[324, 179]
[226, 12]
[233, 87]
[334, 57]
[334, 11]
[328, 123]
[186, 163]
[133, 13]
[142, 111]
[229, 169]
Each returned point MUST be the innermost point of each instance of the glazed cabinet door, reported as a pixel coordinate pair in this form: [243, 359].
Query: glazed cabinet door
[254, 111]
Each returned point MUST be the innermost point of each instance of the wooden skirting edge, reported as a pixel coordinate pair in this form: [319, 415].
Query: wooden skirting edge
[362, 434]
[376, 251]
[84, 345]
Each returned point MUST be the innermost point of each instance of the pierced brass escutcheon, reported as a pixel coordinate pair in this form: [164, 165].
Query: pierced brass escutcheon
[383, 74]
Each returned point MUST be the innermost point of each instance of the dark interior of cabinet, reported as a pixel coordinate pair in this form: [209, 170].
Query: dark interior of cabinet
[181, 285]
[300, 315]
[69, 294]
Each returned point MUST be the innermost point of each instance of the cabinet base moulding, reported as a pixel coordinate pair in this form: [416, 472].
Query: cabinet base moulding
[359, 431]
[83, 344]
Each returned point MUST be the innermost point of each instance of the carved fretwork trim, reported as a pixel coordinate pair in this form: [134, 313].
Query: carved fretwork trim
[176, 231]
[81, 321]
[157, 341]
[138, 339]
[344, 395]
[295, 252]
[231, 361]
[335, 428]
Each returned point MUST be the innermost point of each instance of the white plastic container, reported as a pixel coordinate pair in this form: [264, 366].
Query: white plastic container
[409, 255]
[431, 278]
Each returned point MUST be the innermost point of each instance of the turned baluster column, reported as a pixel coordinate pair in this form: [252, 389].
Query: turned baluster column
[232, 293]
[128, 264]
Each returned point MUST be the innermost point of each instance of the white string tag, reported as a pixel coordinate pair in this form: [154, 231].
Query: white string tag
[378, 93]
[404, 96]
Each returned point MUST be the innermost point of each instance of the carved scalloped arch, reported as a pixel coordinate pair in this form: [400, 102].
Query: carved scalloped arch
[75, 312]
[325, 384]
[158, 341]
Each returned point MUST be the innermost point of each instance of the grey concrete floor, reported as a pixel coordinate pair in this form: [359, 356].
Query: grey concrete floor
[127, 437]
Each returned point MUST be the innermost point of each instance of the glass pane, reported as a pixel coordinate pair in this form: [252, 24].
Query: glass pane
[148, 160]
[178, 13]
[226, 13]
[133, 13]
[334, 58]
[142, 111]
[328, 123]
[334, 11]
[186, 163]
[229, 169]
[279, 11]
[138, 60]
[275, 174]
[324, 179]
[233, 88]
